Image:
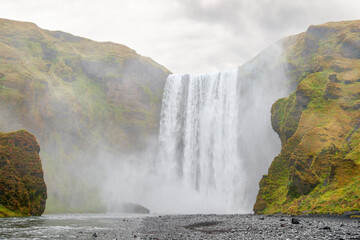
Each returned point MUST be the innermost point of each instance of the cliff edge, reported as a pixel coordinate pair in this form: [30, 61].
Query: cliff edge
[318, 169]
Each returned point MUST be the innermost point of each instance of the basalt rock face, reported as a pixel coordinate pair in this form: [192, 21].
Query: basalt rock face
[318, 169]
[80, 98]
[22, 186]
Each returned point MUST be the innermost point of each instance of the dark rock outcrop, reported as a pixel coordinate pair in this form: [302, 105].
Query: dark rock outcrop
[333, 91]
[22, 186]
[333, 78]
[134, 208]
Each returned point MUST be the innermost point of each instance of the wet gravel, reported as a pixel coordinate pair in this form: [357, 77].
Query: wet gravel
[153, 227]
[246, 227]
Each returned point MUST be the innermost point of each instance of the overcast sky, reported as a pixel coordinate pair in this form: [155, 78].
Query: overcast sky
[186, 36]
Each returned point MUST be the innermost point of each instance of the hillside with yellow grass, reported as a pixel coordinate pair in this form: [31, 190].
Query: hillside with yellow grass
[318, 169]
[78, 97]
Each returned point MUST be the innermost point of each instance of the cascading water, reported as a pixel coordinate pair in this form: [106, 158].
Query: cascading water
[216, 138]
[215, 143]
[199, 134]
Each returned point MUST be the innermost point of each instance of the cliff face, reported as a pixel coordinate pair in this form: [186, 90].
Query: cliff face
[318, 169]
[22, 186]
[79, 97]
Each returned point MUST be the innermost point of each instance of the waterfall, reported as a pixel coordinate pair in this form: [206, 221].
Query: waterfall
[216, 139]
[215, 142]
[199, 131]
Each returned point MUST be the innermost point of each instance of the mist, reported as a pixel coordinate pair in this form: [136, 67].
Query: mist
[113, 130]
[135, 179]
[172, 175]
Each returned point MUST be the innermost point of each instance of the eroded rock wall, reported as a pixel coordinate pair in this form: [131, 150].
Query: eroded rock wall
[318, 169]
[22, 186]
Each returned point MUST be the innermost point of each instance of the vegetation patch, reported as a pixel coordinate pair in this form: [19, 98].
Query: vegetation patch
[317, 171]
[22, 186]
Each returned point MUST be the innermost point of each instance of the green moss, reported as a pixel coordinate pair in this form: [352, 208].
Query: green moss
[317, 171]
[75, 94]
[285, 116]
[4, 212]
[21, 177]
[317, 83]
[34, 48]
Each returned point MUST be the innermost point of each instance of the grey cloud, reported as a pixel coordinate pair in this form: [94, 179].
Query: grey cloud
[268, 16]
[184, 35]
[220, 12]
[253, 25]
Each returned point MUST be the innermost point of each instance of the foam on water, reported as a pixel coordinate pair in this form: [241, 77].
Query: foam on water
[199, 135]
[216, 139]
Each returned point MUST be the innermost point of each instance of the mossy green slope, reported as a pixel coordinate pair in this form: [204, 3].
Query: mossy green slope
[22, 186]
[318, 169]
[78, 97]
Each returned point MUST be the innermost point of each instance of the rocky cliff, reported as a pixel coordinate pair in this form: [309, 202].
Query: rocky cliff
[79, 98]
[22, 186]
[318, 169]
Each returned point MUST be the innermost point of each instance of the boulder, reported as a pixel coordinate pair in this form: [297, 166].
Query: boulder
[333, 78]
[22, 185]
[134, 208]
[333, 91]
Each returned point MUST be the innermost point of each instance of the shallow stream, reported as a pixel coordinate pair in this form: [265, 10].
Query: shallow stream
[70, 226]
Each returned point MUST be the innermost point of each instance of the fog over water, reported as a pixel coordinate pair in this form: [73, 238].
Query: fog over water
[215, 142]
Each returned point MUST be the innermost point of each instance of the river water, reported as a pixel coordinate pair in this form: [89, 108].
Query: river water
[70, 226]
[181, 227]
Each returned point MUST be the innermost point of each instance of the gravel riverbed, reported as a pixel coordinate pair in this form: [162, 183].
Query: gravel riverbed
[192, 227]
[246, 227]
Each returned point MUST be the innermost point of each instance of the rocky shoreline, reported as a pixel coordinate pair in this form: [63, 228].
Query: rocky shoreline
[155, 227]
[248, 227]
